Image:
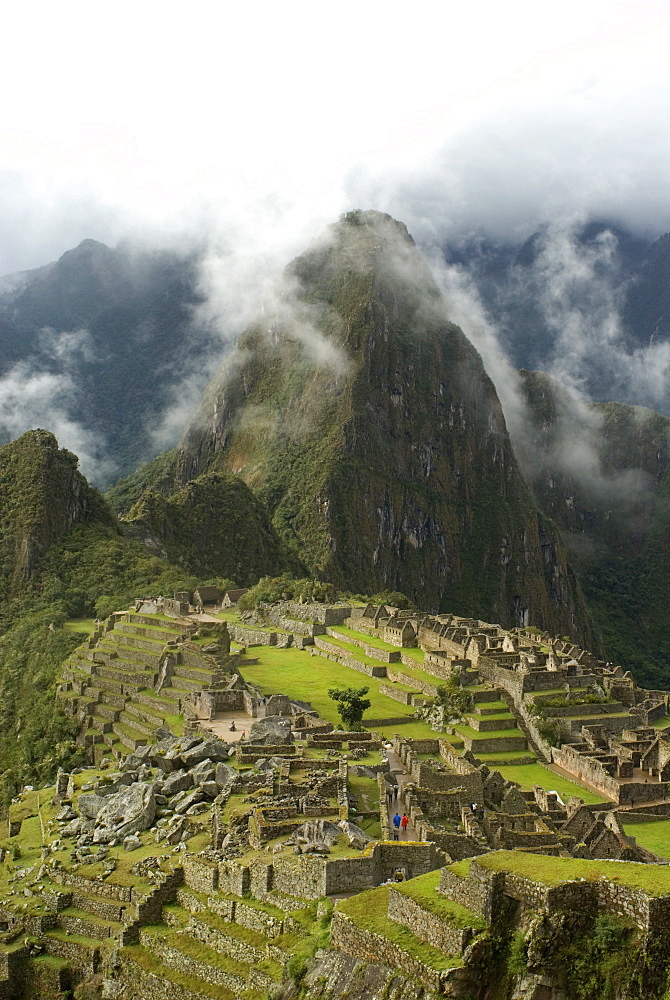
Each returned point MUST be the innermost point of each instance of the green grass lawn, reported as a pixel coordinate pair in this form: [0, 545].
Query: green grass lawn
[414, 730]
[528, 775]
[653, 836]
[662, 723]
[308, 678]
[652, 879]
[83, 625]
[369, 640]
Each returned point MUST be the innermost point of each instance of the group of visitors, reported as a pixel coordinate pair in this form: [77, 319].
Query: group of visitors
[400, 823]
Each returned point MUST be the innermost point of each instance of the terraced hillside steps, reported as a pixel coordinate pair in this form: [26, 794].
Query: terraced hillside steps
[237, 946]
[119, 688]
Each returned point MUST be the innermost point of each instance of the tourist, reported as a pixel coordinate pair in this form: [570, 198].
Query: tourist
[396, 823]
[404, 822]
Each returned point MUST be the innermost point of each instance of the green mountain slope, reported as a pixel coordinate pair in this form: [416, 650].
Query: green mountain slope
[214, 526]
[63, 554]
[365, 422]
[601, 472]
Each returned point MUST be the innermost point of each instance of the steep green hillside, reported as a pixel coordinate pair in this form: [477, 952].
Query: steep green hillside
[601, 472]
[63, 555]
[42, 497]
[214, 526]
[365, 422]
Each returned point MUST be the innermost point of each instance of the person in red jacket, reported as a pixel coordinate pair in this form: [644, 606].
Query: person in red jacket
[404, 822]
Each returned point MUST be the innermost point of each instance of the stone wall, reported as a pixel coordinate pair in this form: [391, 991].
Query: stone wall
[87, 885]
[414, 682]
[432, 929]
[404, 697]
[304, 876]
[348, 659]
[347, 937]
[320, 613]
[200, 875]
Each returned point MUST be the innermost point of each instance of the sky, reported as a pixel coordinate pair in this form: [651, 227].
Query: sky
[251, 126]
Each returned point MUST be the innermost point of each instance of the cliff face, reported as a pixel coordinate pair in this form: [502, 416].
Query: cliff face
[366, 423]
[42, 497]
[600, 471]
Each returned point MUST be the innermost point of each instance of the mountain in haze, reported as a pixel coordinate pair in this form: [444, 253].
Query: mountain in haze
[365, 423]
[111, 335]
[589, 303]
[601, 472]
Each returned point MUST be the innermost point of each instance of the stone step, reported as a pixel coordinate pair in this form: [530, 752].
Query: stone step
[83, 924]
[131, 678]
[139, 725]
[145, 714]
[153, 979]
[180, 951]
[203, 674]
[133, 654]
[107, 684]
[184, 684]
[135, 618]
[130, 640]
[222, 935]
[107, 711]
[483, 724]
[100, 724]
[154, 636]
[79, 950]
[129, 736]
[160, 702]
[115, 700]
[103, 907]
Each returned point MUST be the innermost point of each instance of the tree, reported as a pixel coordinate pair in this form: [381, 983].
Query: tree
[350, 704]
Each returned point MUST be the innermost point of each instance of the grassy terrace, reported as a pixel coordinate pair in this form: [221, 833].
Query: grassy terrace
[296, 673]
[349, 647]
[83, 625]
[368, 911]
[474, 734]
[527, 775]
[423, 891]
[550, 871]
[369, 640]
[654, 836]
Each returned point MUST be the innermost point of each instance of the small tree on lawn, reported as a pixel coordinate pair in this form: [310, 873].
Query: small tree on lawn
[350, 704]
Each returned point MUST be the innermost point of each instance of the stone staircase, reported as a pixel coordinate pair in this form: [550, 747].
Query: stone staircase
[113, 683]
[219, 946]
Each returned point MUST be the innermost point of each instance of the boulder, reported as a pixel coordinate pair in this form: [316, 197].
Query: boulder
[189, 799]
[317, 831]
[178, 781]
[132, 842]
[90, 804]
[210, 789]
[128, 811]
[204, 771]
[224, 775]
[357, 838]
[214, 749]
[271, 731]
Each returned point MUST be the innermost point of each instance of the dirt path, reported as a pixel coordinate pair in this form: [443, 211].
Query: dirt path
[397, 805]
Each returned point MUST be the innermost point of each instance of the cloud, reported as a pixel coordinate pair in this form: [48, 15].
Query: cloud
[32, 396]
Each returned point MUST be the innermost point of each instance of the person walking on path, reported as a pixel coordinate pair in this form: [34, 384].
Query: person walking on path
[396, 823]
[404, 822]
[390, 796]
